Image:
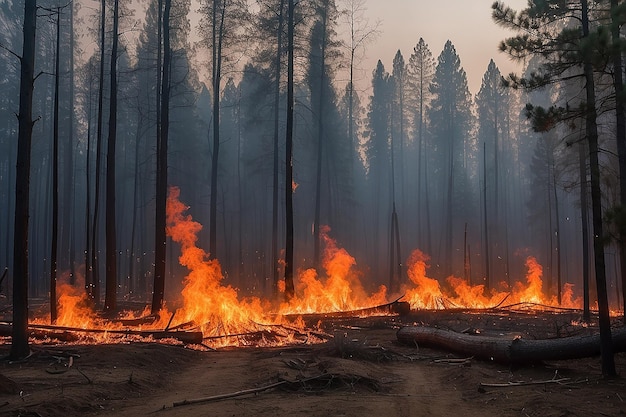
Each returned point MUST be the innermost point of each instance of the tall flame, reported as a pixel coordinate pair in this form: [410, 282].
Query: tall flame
[215, 307]
[206, 300]
[340, 290]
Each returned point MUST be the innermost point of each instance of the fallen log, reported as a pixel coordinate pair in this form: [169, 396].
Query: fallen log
[395, 307]
[42, 330]
[508, 351]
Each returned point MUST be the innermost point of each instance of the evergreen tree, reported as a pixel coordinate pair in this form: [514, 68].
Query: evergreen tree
[420, 72]
[378, 161]
[453, 150]
[561, 33]
[493, 130]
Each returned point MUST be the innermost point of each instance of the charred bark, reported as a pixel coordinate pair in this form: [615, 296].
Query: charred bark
[510, 351]
[289, 288]
[19, 339]
[110, 298]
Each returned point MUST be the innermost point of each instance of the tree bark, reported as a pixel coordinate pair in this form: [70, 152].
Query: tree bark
[608, 361]
[161, 192]
[275, 202]
[217, 35]
[584, 215]
[509, 351]
[620, 118]
[94, 285]
[19, 339]
[55, 179]
[289, 267]
[110, 298]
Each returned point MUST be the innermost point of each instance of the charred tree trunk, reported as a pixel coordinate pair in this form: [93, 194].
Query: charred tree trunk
[88, 271]
[161, 192]
[69, 180]
[275, 202]
[289, 288]
[320, 149]
[94, 289]
[508, 351]
[55, 180]
[557, 233]
[485, 217]
[217, 35]
[19, 335]
[608, 361]
[620, 118]
[110, 299]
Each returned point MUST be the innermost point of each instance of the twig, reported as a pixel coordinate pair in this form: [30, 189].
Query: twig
[523, 383]
[4, 275]
[229, 395]
[454, 361]
[170, 322]
[89, 381]
[501, 302]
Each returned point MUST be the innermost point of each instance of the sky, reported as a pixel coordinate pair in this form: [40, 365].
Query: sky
[467, 23]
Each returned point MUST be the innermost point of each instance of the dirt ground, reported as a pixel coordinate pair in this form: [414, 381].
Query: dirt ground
[362, 371]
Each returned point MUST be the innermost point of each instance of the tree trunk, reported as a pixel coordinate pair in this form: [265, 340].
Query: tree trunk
[320, 150]
[87, 254]
[620, 118]
[19, 340]
[608, 361]
[289, 288]
[94, 289]
[557, 233]
[161, 192]
[110, 298]
[218, 34]
[275, 202]
[507, 350]
[485, 217]
[55, 180]
[70, 183]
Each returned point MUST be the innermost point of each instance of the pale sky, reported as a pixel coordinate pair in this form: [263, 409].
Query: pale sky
[467, 23]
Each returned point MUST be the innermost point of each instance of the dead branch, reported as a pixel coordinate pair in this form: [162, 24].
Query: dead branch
[559, 381]
[42, 330]
[395, 307]
[229, 395]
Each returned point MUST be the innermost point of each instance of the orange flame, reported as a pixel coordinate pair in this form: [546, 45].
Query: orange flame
[206, 301]
[217, 309]
[339, 290]
[428, 293]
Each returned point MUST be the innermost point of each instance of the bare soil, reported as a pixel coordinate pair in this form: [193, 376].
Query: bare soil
[362, 371]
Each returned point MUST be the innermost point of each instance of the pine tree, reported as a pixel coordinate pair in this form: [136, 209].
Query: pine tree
[450, 117]
[420, 72]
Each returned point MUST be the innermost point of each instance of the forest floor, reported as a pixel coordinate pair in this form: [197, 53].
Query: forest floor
[362, 371]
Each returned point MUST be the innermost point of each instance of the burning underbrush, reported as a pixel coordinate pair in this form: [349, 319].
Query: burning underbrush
[214, 315]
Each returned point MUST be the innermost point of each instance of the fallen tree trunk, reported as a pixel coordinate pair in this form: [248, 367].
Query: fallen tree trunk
[67, 333]
[508, 351]
[395, 307]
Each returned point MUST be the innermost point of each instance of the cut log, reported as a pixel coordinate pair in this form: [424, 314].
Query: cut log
[509, 351]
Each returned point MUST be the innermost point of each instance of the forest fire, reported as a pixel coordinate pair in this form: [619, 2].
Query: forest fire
[429, 294]
[215, 309]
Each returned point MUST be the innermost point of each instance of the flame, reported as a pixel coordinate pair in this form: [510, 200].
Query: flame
[206, 300]
[216, 308]
[339, 290]
[427, 293]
